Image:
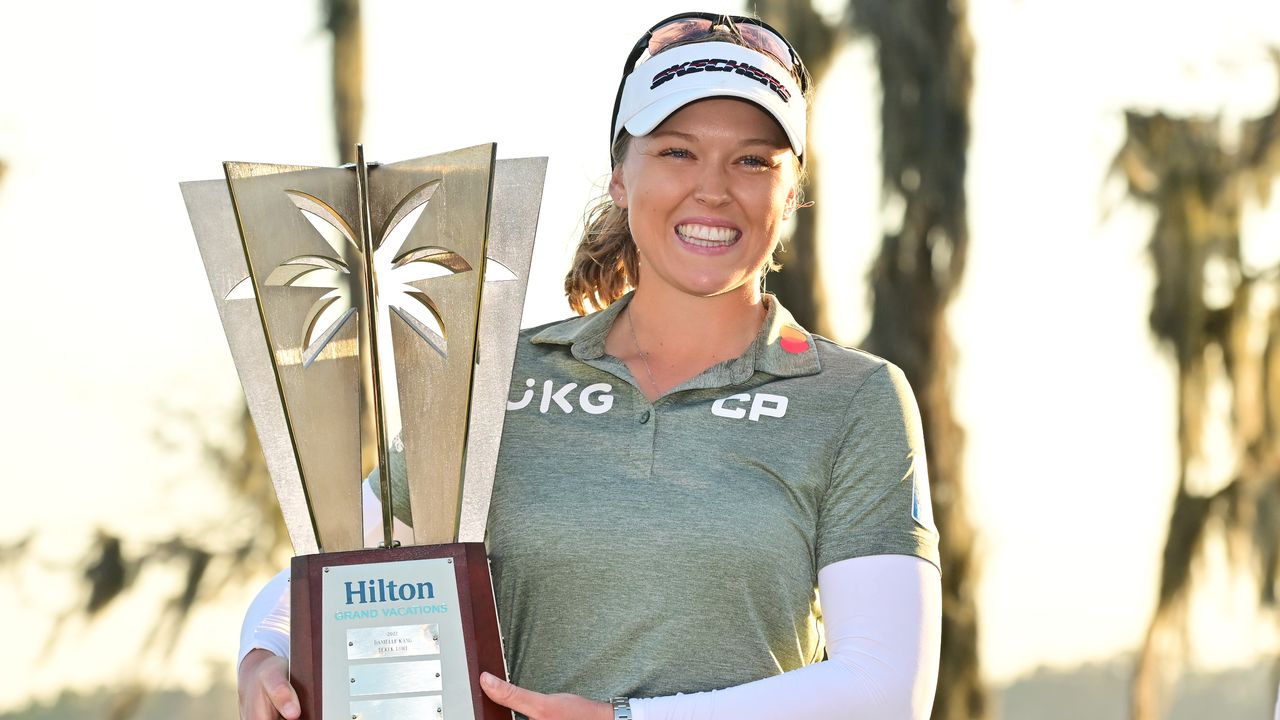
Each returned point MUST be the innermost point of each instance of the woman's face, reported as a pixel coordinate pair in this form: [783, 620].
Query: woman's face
[706, 193]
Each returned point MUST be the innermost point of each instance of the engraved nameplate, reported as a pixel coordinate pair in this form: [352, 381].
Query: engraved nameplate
[396, 677]
[392, 642]
[413, 708]
[393, 629]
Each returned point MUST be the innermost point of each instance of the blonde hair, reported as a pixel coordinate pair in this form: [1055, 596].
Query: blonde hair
[606, 264]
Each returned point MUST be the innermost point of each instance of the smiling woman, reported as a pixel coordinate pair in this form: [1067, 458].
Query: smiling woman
[710, 189]
[706, 194]
[668, 551]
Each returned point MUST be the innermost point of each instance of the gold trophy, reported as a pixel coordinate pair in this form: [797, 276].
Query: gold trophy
[359, 292]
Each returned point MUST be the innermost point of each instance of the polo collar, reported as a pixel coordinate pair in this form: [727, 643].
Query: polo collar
[782, 348]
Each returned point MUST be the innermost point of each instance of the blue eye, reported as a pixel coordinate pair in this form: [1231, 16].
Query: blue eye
[676, 153]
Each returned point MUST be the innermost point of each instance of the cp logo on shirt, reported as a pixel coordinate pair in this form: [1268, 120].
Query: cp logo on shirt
[752, 407]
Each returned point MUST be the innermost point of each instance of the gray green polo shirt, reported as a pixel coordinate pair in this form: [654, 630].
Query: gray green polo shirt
[645, 549]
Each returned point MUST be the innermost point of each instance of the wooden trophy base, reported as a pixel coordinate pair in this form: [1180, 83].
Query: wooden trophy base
[389, 634]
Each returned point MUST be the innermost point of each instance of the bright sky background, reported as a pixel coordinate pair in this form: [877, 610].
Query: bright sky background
[104, 108]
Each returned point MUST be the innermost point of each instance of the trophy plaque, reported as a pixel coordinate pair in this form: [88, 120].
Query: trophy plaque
[379, 304]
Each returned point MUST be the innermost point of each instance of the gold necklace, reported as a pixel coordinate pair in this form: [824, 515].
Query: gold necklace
[643, 358]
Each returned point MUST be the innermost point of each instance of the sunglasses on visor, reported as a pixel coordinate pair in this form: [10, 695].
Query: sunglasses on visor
[695, 26]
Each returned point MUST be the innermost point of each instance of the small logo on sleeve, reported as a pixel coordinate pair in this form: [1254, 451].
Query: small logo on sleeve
[921, 503]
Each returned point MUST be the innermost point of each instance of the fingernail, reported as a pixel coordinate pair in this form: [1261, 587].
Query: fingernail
[291, 709]
[488, 680]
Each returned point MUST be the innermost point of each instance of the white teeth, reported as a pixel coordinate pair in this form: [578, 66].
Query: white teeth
[707, 235]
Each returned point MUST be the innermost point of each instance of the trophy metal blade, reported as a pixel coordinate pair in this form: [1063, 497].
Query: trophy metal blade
[513, 223]
[433, 365]
[317, 365]
[212, 219]
[309, 266]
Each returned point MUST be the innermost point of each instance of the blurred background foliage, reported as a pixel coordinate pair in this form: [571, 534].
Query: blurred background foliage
[1218, 318]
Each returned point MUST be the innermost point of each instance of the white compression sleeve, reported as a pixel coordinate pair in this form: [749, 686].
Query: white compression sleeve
[266, 622]
[883, 621]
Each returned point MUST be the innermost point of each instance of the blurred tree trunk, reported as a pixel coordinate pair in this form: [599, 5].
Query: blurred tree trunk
[342, 19]
[1220, 320]
[925, 57]
[800, 285]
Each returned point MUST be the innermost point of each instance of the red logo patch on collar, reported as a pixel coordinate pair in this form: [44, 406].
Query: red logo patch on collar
[793, 339]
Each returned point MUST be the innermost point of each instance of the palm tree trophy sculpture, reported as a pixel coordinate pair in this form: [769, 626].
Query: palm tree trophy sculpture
[312, 270]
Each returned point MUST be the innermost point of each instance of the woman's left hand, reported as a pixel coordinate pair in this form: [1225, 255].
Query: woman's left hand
[536, 706]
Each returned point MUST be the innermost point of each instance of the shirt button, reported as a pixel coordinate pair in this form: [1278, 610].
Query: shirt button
[644, 417]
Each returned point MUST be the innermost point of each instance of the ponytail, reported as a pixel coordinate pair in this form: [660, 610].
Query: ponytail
[605, 265]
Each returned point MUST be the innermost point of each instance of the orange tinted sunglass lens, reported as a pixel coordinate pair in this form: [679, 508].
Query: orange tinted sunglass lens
[685, 29]
[765, 41]
[677, 31]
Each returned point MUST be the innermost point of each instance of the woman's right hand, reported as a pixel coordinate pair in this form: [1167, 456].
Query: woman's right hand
[265, 692]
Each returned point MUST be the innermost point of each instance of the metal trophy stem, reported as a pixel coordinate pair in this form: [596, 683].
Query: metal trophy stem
[370, 287]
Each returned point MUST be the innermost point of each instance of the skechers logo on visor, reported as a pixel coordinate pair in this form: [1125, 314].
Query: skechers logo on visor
[720, 65]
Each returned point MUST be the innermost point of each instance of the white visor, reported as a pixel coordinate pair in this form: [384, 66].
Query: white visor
[674, 78]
